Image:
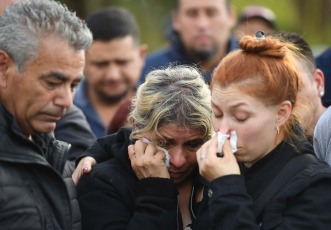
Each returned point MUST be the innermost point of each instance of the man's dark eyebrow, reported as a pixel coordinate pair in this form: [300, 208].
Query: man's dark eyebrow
[60, 77]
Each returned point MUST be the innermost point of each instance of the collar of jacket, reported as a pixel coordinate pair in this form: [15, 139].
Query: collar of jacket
[177, 51]
[15, 147]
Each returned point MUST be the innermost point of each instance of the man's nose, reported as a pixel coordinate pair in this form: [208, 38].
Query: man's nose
[113, 72]
[64, 97]
[202, 21]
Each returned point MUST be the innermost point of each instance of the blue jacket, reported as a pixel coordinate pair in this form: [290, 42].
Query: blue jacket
[81, 101]
[72, 123]
[323, 63]
[175, 54]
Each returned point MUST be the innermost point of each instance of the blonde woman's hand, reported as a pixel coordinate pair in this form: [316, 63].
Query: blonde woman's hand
[147, 161]
[84, 166]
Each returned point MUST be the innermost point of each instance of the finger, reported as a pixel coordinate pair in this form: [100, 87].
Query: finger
[83, 167]
[160, 157]
[211, 151]
[139, 148]
[76, 176]
[88, 162]
[131, 152]
[227, 149]
[202, 152]
[150, 150]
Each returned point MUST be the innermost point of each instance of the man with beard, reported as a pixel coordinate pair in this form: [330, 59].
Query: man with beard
[42, 57]
[200, 35]
[113, 66]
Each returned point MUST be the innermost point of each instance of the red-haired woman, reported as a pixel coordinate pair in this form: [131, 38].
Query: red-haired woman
[273, 180]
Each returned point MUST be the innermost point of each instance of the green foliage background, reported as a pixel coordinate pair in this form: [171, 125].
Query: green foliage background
[310, 18]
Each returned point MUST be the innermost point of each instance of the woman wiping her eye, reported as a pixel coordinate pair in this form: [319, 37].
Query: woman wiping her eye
[135, 189]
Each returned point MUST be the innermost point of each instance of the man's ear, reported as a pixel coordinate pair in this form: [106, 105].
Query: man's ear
[4, 65]
[318, 79]
[284, 112]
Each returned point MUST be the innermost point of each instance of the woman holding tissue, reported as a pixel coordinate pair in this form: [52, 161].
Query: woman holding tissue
[152, 176]
[273, 180]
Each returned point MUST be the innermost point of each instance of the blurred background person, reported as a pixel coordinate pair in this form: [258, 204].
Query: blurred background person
[323, 62]
[312, 88]
[113, 66]
[200, 36]
[253, 19]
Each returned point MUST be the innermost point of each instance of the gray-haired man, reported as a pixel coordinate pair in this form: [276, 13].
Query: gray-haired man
[42, 56]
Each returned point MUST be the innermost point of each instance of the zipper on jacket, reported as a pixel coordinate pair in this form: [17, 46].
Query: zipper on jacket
[178, 214]
[191, 204]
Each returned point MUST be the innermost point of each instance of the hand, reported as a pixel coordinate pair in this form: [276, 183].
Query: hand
[147, 161]
[211, 166]
[84, 166]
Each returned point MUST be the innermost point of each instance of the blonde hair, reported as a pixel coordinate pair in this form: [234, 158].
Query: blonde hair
[175, 95]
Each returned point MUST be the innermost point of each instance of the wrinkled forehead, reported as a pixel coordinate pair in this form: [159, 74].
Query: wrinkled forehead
[174, 132]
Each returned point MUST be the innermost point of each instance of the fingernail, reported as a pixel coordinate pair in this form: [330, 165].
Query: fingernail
[84, 170]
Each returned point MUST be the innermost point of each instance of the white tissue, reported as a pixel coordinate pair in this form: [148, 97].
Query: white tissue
[222, 137]
[167, 156]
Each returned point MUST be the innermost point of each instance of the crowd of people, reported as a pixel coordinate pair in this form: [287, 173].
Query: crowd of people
[228, 127]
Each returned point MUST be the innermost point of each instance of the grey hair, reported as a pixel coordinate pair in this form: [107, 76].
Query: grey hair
[175, 95]
[24, 23]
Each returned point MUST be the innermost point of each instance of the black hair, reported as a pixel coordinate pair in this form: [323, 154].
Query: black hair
[112, 22]
[304, 48]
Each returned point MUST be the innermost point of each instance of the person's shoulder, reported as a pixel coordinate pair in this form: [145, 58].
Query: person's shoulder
[73, 115]
[75, 111]
[316, 171]
[326, 116]
[107, 175]
[326, 54]
[159, 57]
[323, 122]
[323, 60]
